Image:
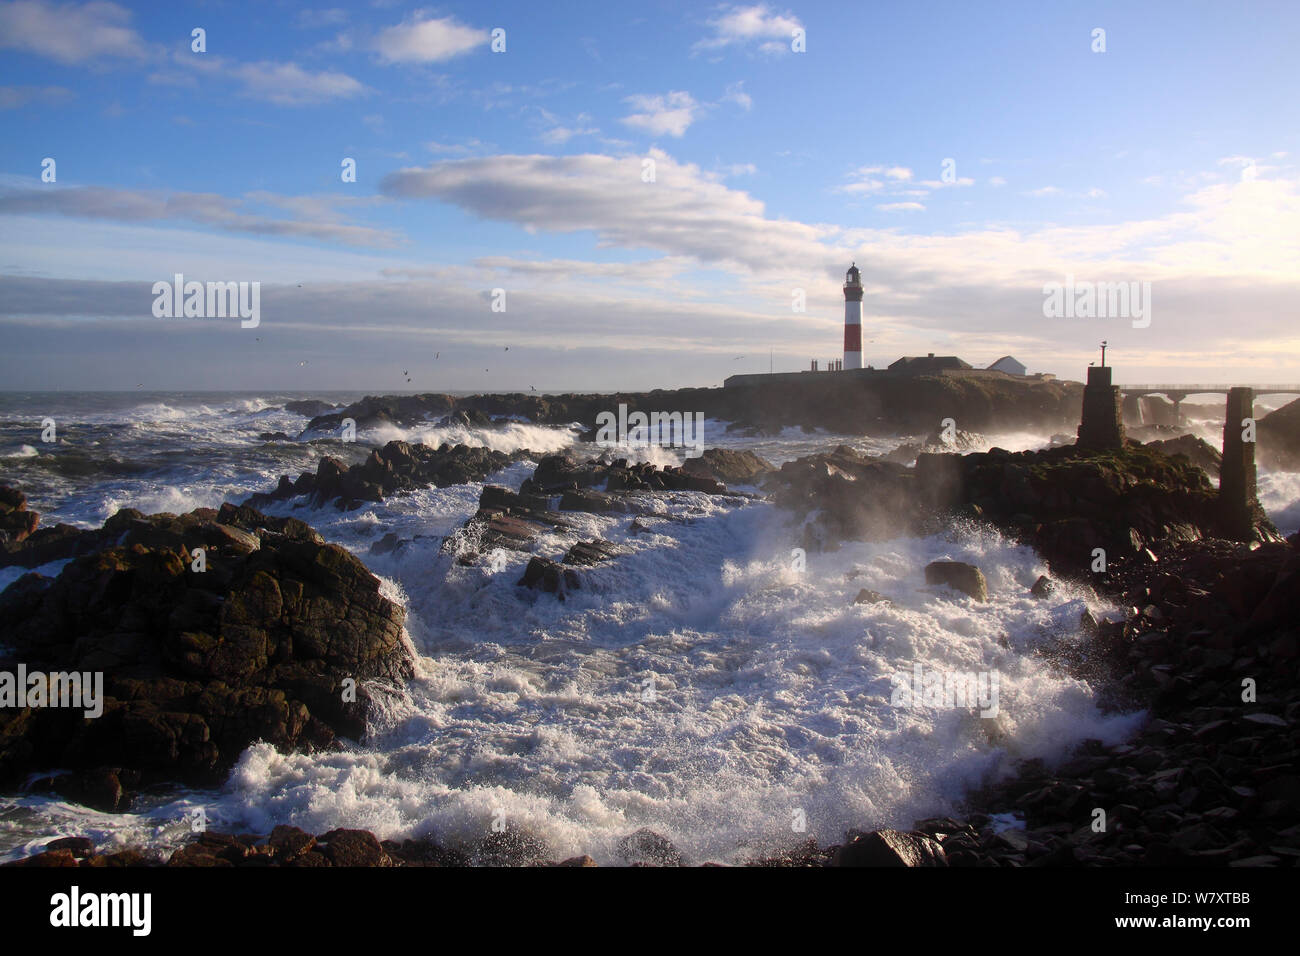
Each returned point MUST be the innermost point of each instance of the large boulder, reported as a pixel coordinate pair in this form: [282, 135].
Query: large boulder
[727, 466]
[1278, 434]
[1196, 450]
[959, 576]
[212, 630]
[891, 848]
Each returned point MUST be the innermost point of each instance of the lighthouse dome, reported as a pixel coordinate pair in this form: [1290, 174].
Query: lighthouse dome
[853, 277]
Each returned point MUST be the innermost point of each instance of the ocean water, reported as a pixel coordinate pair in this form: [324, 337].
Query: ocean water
[701, 684]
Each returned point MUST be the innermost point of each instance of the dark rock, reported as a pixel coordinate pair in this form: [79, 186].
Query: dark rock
[959, 576]
[197, 666]
[98, 789]
[871, 597]
[543, 574]
[727, 466]
[80, 847]
[590, 553]
[891, 848]
[353, 848]
[288, 843]
[647, 847]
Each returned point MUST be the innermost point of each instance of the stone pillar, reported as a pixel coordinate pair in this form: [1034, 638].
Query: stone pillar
[1177, 399]
[1101, 425]
[1237, 473]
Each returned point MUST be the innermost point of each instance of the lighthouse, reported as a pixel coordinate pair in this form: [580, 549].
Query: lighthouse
[853, 318]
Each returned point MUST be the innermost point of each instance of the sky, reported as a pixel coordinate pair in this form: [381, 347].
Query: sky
[635, 195]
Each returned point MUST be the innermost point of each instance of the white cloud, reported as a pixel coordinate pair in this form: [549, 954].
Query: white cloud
[900, 207]
[945, 184]
[684, 212]
[736, 94]
[756, 25]
[70, 32]
[287, 84]
[427, 41]
[997, 181]
[668, 115]
[317, 216]
[469, 146]
[556, 133]
[1044, 191]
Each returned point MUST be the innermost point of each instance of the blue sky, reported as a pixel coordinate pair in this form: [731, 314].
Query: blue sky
[964, 154]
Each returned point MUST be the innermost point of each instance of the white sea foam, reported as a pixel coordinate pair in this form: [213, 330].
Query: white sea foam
[771, 690]
[506, 437]
[771, 686]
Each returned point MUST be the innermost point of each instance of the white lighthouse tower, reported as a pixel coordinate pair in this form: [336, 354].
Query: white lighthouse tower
[853, 318]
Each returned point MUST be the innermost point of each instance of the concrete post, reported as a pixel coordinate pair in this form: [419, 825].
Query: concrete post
[1237, 473]
[1102, 425]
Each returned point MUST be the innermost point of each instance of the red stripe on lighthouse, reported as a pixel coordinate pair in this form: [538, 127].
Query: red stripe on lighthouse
[853, 338]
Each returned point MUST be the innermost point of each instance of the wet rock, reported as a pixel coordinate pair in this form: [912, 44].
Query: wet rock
[959, 576]
[648, 848]
[80, 847]
[197, 665]
[728, 466]
[546, 575]
[397, 467]
[509, 847]
[287, 843]
[591, 553]
[871, 597]
[353, 848]
[98, 789]
[1043, 587]
[310, 407]
[891, 848]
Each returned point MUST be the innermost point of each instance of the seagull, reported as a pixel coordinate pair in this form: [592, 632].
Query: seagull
[533, 387]
[302, 363]
[436, 354]
[738, 358]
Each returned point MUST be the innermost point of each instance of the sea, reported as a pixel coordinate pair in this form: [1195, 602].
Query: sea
[712, 683]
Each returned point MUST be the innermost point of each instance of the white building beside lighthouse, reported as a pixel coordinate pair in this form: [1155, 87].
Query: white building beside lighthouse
[853, 318]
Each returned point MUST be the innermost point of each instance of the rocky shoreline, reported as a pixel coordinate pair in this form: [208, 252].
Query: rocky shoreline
[201, 663]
